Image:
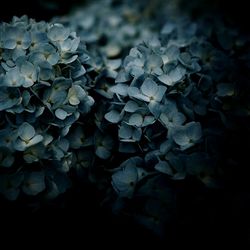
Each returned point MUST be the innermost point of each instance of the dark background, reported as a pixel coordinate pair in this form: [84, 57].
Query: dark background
[237, 11]
[203, 217]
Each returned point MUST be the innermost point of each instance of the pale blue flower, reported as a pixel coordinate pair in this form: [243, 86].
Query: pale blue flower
[128, 174]
[9, 98]
[13, 78]
[174, 73]
[55, 96]
[124, 181]
[112, 67]
[29, 72]
[188, 135]
[77, 138]
[141, 120]
[27, 137]
[172, 119]
[46, 71]
[45, 53]
[149, 92]
[154, 64]
[38, 38]
[58, 33]
[76, 94]
[134, 66]
[34, 183]
[16, 37]
[34, 153]
[152, 91]
[103, 145]
[129, 134]
[56, 184]
[187, 61]
[8, 137]
[68, 49]
[59, 148]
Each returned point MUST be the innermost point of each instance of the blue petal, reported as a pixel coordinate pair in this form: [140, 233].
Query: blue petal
[166, 146]
[113, 116]
[61, 114]
[225, 89]
[102, 152]
[131, 106]
[58, 33]
[194, 131]
[26, 131]
[149, 87]
[120, 89]
[179, 118]
[137, 133]
[164, 78]
[135, 92]
[148, 120]
[76, 94]
[34, 183]
[164, 167]
[5, 101]
[7, 159]
[160, 93]
[124, 181]
[135, 120]
[123, 76]
[180, 136]
[35, 140]
[154, 61]
[177, 74]
[125, 131]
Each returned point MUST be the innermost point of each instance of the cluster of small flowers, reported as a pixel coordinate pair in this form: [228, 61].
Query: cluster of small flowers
[44, 82]
[174, 99]
[113, 30]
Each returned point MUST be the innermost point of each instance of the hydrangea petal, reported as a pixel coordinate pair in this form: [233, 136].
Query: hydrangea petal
[34, 183]
[149, 87]
[26, 131]
[113, 116]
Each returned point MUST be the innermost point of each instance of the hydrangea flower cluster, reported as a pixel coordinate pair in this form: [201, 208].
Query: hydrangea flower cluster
[113, 30]
[44, 77]
[174, 98]
[155, 106]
